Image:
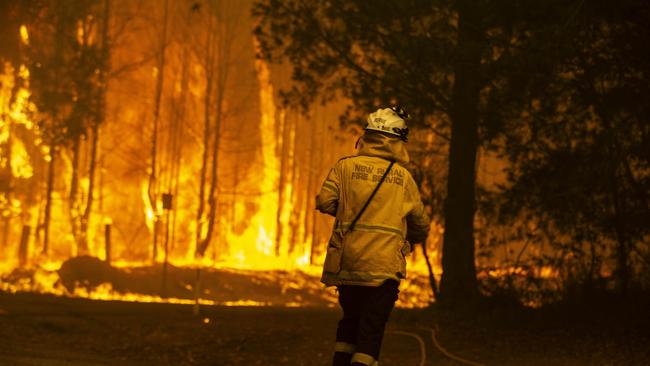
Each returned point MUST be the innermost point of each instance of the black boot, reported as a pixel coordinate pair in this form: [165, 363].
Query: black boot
[342, 359]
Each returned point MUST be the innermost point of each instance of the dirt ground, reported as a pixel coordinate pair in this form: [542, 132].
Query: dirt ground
[47, 330]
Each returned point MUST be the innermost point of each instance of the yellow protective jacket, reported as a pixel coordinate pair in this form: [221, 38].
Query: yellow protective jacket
[375, 250]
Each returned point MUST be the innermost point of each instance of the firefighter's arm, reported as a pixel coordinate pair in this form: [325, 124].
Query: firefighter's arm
[417, 224]
[417, 220]
[327, 200]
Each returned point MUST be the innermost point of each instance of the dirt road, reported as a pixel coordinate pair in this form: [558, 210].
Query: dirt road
[47, 330]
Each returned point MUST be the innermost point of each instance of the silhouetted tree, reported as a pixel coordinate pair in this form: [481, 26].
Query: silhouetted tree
[66, 65]
[441, 59]
[580, 159]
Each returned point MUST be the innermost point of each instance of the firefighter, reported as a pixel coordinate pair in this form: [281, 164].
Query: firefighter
[378, 212]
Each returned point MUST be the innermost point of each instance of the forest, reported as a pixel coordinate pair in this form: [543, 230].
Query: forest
[169, 152]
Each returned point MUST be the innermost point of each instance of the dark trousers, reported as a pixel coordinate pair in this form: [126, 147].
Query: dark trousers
[365, 313]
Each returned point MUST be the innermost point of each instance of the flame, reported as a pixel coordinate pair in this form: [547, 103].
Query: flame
[46, 282]
[252, 247]
[260, 232]
[20, 110]
[16, 113]
[150, 214]
[24, 35]
[86, 31]
[20, 165]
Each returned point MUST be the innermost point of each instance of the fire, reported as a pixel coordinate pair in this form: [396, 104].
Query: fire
[247, 244]
[19, 110]
[260, 231]
[20, 165]
[150, 214]
[24, 35]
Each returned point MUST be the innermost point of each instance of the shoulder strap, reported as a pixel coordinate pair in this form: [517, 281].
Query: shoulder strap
[383, 177]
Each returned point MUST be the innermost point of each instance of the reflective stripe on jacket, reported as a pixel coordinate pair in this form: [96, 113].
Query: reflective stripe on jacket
[375, 250]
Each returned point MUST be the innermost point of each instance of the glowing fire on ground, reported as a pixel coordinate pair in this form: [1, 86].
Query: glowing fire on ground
[252, 250]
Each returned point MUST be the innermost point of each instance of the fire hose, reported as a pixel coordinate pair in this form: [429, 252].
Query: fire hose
[423, 352]
[436, 344]
[448, 354]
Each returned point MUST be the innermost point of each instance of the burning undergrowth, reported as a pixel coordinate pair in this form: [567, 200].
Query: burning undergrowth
[89, 277]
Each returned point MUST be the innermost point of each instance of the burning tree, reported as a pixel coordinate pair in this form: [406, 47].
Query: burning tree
[67, 59]
[110, 116]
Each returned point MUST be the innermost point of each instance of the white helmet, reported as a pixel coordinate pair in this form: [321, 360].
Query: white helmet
[389, 120]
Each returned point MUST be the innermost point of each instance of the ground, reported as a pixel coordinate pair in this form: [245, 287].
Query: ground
[40, 329]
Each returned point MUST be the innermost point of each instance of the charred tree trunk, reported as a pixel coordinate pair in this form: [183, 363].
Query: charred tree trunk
[235, 195]
[152, 189]
[214, 178]
[207, 128]
[314, 225]
[617, 161]
[85, 218]
[308, 208]
[220, 53]
[6, 229]
[622, 271]
[23, 249]
[618, 209]
[98, 119]
[107, 244]
[73, 204]
[296, 194]
[178, 150]
[458, 282]
[48, 201]
[204, 168]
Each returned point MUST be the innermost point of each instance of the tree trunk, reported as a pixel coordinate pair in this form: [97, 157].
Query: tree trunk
[152, 189]
[314, 224]
[281, 183]
[308, 208]
[178, 151]
[8, 174]
[73, 205]
[85, 219]
[107, 244]
[212, 197]
[458, 282]
[23, 249]
[622, 270]
[48, 201]
[97, 120]
[207, 105]
[294, 218]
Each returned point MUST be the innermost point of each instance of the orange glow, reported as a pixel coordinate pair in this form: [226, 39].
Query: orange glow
[16, 112]
[24, 34]
[20, 165]
[245, 245]
[150, 214]
[256, 242]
